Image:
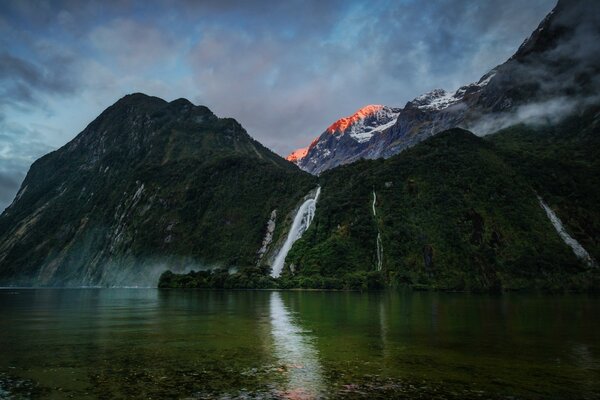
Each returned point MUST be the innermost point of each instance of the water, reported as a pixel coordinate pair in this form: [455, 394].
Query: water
[577, 248]
[379, 252]
[379, 242]
[148, 343]
[302, 221]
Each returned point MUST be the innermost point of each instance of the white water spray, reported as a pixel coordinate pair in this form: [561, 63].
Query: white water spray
[578, 249]
[302, 221]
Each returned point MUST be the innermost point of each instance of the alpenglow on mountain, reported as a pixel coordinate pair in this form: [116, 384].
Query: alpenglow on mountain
[151, 186]
[553, 72]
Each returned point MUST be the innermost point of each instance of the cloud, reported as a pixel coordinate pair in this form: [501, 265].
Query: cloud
[560, 80]
[9, 185]
[285, 70]
[132, 45]
[19, 147]
[540, 113]
[22, 81]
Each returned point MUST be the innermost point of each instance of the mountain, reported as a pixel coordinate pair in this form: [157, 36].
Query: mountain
[151, 186]
[455, 212]
[341, 139]
[514, 210]
[148, 185]
[561, 164]
[553, 73]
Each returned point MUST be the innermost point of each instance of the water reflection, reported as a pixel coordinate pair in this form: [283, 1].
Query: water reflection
[384, 329]
[139, 344]
[297, 353]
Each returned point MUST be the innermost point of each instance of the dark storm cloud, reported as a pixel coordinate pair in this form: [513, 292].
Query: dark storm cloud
[285, 70]
[22, 81]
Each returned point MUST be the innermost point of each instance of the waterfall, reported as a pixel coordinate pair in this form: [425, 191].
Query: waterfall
[374, 201]
[577, 248]
[302, 221]
[379, 244]
[379, 252]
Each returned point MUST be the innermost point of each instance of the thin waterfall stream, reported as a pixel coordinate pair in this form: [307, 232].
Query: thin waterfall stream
[379, 243]
[577, 248]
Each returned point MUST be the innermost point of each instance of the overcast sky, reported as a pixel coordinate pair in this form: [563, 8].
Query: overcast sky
[284, 69]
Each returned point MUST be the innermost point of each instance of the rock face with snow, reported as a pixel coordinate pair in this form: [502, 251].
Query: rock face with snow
[344, 138]
[554, 71]
[379, 131]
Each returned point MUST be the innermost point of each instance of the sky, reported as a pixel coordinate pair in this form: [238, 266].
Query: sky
[284, 69]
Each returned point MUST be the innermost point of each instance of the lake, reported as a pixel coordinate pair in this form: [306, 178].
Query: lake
[194, 344]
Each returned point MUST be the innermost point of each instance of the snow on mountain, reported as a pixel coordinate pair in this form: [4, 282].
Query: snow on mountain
[439, 99]
[558, 61]
[360, 126]
[373, 131]
[297, 154]
[362, 129]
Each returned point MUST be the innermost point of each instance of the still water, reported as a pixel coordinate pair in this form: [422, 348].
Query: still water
[154, 344]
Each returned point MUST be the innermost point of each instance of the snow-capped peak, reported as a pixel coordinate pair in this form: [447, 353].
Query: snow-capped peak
[382, 119]
[439, 99]
[298, 154]
[360, 126]
[343, 123]
[365, 122]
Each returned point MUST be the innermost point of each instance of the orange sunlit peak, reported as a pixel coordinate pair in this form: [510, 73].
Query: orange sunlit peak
[342, 124]
[297, 155]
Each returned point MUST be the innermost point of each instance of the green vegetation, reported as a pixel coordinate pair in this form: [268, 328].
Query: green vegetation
[147, 183]
[561, 163]
[456, 212]
[246, 278]
[150, 186]
[260, 278]
[453, 215]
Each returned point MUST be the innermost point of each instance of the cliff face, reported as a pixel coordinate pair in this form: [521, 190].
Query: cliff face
[148, 185]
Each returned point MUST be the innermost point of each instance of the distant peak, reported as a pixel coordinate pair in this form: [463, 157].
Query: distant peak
[139, 98]
[181, 102]
[297, 155]
[136, 95]
[342, 124]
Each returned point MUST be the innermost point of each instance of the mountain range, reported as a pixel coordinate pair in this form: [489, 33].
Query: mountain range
[553, 72]
[492, 187]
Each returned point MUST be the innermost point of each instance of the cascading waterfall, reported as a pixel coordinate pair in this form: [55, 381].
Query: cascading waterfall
[374, 201]
[379, 252]
[379, 243]
[577, 248]
[302, 221]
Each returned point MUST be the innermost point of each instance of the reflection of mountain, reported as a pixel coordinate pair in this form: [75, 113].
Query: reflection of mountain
[296, 352]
